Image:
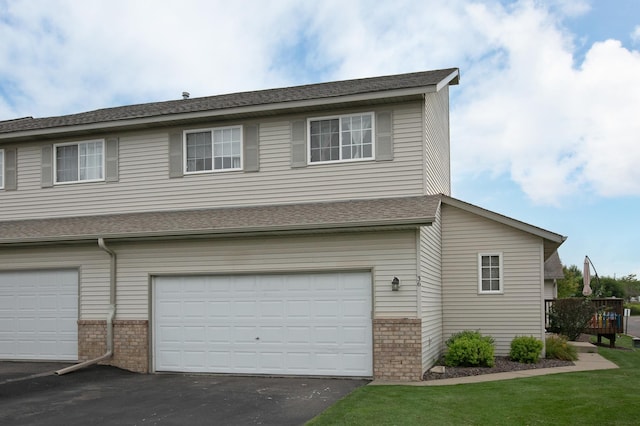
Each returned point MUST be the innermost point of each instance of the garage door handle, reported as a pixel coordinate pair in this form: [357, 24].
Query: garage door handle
[257, 338]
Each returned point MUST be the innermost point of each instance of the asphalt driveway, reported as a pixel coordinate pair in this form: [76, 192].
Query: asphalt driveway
[102, 395]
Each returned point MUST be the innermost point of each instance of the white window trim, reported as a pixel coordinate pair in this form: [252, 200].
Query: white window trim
[213, 170]
[2, 167]
[501, 280]
[71, 182]
[339, 117]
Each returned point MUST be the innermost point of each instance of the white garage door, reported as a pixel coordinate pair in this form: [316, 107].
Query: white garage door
[310, 324]
[38, 315]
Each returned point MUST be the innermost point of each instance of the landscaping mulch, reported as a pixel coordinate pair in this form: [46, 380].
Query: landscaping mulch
[502, 364]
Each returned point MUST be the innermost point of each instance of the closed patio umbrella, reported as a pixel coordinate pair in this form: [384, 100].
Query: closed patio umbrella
[586, 273]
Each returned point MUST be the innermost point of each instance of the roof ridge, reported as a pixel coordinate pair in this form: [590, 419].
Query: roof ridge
[230, 101]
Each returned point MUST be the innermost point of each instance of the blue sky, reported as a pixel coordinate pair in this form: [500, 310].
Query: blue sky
[544, 123]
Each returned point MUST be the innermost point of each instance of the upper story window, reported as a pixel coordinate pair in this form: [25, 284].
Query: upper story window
[213, 149]
[79, 162]
[1, 168]
[490, 273]
[341, 138]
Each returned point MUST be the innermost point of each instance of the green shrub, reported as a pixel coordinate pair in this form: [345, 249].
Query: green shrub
[557, 347]
[469, 349]
[525, 349]
[571, 316]
[471, 334]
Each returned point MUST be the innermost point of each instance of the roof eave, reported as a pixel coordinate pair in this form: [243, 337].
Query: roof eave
[451, 79]
[226, 232]
[171, 119]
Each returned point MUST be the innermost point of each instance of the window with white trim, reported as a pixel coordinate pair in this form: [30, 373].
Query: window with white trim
[341, 138]
[1, 168]
[79, 162]
[490, 273]
[217, 149]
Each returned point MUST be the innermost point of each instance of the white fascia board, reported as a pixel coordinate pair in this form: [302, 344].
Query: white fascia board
[450, 79]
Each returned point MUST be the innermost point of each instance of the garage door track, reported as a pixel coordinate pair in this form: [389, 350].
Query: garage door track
[102, 395]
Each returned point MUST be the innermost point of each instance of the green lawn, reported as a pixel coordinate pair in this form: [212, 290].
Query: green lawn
[608, 397]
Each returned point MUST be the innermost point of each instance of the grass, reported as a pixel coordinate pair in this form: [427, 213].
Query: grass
[584, 398]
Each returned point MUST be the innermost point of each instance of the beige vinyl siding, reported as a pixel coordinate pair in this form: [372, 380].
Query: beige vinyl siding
[144, 183]
[386, 254]
[550, 291]
[436, 154]
[431, 291]
[91, 262]
[518, 310]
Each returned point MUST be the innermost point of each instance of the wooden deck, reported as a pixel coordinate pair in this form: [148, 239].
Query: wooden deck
[607, 320]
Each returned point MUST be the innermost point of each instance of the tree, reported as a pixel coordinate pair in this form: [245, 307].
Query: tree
[630, 286]
[570, 316]
[570, 284]
[607, 287]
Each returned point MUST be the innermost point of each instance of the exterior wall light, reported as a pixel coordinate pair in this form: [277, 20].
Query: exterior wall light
[395, 284]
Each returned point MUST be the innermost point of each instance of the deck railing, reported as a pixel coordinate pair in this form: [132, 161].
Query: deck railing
[607, 319]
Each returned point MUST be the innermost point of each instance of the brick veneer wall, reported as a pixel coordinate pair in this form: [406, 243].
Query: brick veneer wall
[130, 343]
[397, 349]
[397, 346]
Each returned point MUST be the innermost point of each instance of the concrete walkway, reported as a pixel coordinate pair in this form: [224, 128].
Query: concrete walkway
[587, 361]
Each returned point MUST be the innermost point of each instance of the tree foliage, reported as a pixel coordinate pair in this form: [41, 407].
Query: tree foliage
[573, 282]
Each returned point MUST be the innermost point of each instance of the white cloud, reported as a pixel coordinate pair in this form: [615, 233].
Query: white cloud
[524, 107]
[635, 34]
[66, 56]
[557, 128]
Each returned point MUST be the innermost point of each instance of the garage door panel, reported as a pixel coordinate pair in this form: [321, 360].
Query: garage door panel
[272, 309]
[275, 334]
[312, 324]
[194, 335]
[170, 358]
[217, 310]
[298, 309]
[170, 334]
[355, 335]
[218, 334]
[169, 309]
[298, 335]
[218, 359]
[38, 315]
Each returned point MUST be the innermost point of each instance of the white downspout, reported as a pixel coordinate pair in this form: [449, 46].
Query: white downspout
[110, 315]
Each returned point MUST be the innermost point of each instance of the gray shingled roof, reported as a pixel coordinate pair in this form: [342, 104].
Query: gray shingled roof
[553, 268]
[235, 100]
[409, 211]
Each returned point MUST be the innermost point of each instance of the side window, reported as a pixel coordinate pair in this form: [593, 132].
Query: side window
[79, 162]
[490, 273]
[218, 149]
[341, 138]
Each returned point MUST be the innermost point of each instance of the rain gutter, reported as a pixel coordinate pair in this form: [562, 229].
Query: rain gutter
[110, 315]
